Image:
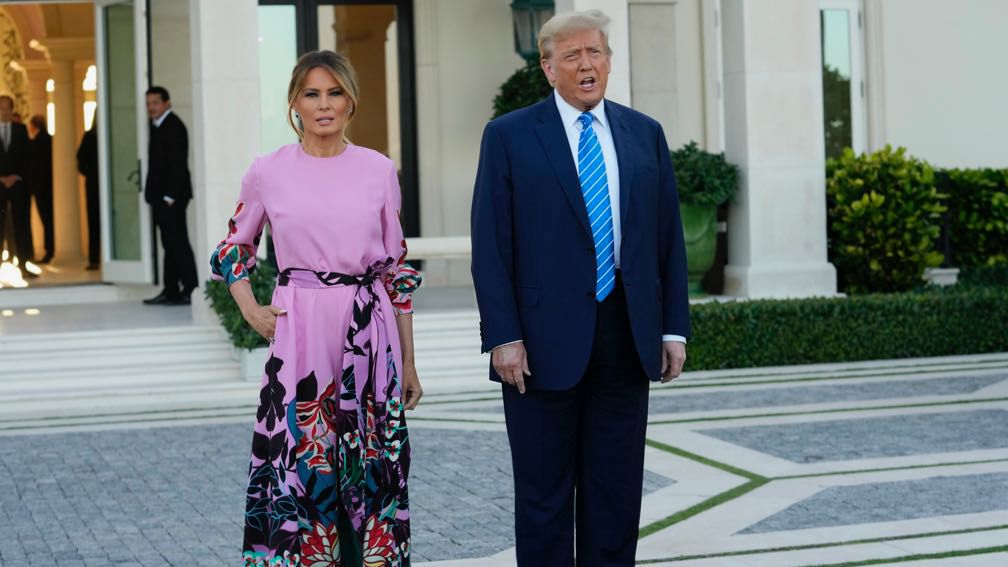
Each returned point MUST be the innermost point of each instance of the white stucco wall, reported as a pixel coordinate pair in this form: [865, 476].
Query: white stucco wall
[937, 79]
[464, 52]
[224, 134]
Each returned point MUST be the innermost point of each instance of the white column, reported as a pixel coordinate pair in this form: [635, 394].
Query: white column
[224, 134]
[774, 132]
[618, 88]
[66, 201]
[38, 72]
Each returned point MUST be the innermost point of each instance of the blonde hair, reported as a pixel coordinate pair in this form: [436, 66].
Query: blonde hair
[341, 69]
[567, 23]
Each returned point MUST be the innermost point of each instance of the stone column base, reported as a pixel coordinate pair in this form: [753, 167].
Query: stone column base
[781, 280]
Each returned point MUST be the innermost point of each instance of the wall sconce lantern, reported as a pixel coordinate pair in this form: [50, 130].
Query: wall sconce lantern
[529, 16]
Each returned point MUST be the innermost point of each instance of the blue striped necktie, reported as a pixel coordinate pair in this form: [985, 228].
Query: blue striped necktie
[595, 189]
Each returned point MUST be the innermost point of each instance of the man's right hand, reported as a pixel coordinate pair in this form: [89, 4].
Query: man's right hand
[511, 363]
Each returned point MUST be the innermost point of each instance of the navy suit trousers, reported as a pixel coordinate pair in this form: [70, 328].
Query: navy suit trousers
[578, 455]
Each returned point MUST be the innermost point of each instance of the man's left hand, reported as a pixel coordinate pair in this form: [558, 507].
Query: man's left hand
[672, 359]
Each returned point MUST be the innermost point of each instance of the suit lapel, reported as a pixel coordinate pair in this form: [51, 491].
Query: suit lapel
[621, 139]
[557, 148]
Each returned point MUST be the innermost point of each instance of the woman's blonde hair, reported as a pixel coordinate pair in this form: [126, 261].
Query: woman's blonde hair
[564, 24]
[341, 69]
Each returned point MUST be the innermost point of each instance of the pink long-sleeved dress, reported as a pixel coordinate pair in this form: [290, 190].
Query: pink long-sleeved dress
[330, 450]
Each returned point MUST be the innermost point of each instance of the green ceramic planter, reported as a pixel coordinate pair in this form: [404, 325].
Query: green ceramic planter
[700, 232]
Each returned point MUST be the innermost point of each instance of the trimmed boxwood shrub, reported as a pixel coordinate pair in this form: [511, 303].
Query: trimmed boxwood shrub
[884, 218]
[263, 280]
[525, 87]
[977, 215]
[936, 322]
[703, 178]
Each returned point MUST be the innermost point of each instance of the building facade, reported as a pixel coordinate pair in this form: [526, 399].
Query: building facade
[746, 77]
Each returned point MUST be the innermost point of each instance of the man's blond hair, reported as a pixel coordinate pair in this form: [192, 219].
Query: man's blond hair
[567, 23]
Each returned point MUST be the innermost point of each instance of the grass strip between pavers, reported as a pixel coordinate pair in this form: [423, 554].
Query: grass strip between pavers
[919, 557]
[755, 481]
[889, 469]
[711, 502]
[837, 544]
[703, 460]
[828, 411]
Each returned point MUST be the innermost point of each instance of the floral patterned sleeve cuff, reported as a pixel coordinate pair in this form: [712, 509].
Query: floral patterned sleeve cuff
[401, 285]
[232, 262]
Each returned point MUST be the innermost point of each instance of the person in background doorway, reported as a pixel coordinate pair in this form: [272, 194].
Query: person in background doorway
[14, 194]
[87, 165]
[40, 179]
[169, 190]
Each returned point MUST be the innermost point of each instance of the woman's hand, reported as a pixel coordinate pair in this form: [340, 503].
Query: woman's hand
[411, 390]
[263, 319]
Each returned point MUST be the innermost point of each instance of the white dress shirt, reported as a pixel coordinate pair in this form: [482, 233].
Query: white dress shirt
[572, 127]
[5, 134]
[157, 121]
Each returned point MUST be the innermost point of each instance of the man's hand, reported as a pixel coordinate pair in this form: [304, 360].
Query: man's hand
[9, 181]
[511, 363]
[673, 357]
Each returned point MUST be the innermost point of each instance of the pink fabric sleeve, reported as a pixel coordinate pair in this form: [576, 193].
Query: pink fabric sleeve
[236, 254]
[401, 280]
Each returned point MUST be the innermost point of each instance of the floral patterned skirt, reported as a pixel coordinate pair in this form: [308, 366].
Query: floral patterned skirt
[330, 449]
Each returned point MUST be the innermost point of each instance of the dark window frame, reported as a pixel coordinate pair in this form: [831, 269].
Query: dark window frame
[306, 20]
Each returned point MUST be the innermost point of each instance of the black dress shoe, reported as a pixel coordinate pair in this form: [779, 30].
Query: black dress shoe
[92, 267]
[182, 300]
[160, 299]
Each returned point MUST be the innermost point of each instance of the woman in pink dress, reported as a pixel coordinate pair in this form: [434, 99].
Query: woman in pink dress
[330, 450]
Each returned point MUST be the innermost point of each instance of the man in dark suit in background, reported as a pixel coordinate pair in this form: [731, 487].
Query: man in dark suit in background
[580, 272]
[14, 193]
[87, 165]
[169, 190]
[39, 178]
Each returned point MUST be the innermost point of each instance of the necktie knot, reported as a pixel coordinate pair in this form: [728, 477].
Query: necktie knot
[586, 120]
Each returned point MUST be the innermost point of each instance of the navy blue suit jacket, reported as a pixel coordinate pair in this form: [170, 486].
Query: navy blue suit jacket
[533, 258]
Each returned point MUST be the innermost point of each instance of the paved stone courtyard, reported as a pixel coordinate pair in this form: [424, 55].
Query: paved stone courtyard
[899, 462]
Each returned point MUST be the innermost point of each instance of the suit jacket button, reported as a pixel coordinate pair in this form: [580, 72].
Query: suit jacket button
[590, 294]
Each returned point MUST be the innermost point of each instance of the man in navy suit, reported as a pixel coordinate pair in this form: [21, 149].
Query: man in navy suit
[580, 274]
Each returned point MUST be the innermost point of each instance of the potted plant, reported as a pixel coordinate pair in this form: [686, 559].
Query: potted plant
[705, 181]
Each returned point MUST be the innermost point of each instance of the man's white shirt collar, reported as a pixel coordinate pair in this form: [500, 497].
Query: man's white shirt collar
[569, 115]
[160, 119]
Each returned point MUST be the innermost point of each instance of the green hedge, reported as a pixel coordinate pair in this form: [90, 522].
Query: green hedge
[263, 280]
[977, 228]
[936, 322]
